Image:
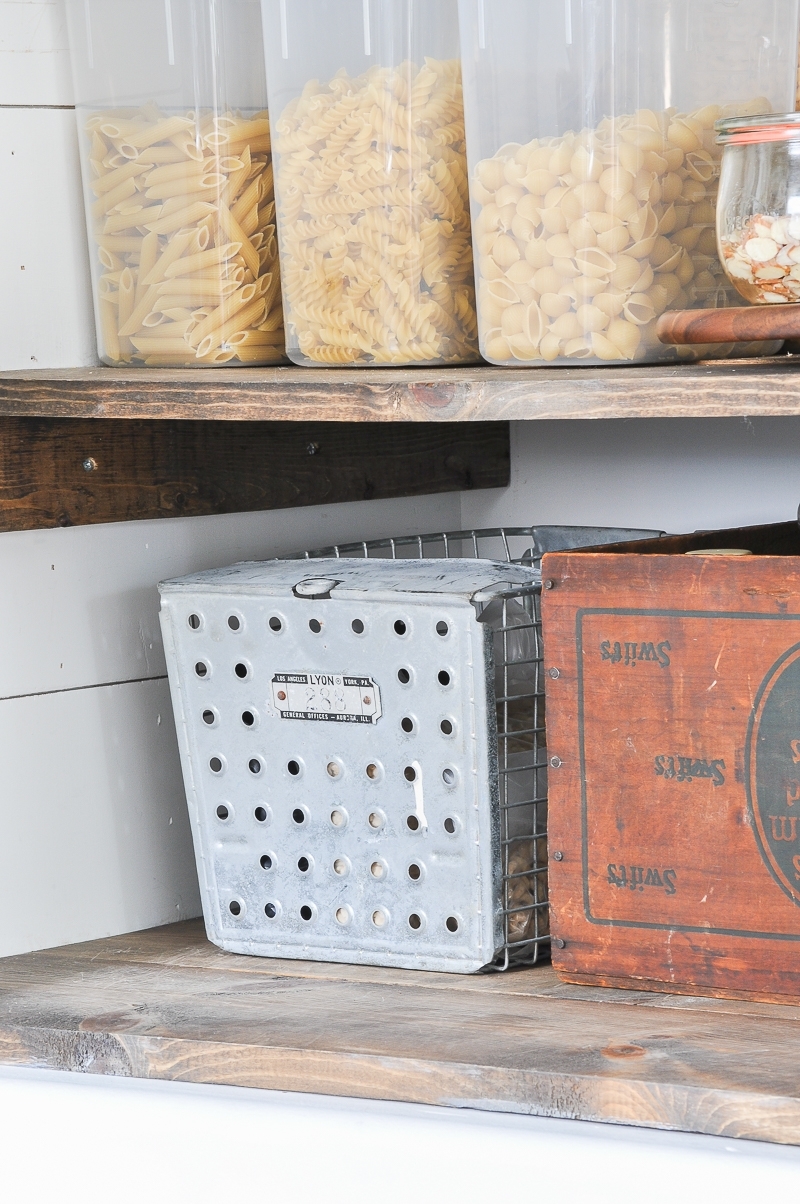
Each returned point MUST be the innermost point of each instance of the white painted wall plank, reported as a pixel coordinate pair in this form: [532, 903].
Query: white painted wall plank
[34, 57]
[79, 606]
[45, 293]
[675, 475]
[95, 830]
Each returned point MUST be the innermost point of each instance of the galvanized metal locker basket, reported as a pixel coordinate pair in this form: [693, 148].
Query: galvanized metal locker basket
[363, 748]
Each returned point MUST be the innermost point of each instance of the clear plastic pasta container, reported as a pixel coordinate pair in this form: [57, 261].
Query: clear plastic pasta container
[171, 103]
[371, 181]
[594, 164]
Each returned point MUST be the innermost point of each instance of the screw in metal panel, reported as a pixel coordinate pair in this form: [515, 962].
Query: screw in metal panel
[558, 855]
[89, 464]
[549, 583]
[554, 673]
[556, 762]
[559, 944]
[312, 449]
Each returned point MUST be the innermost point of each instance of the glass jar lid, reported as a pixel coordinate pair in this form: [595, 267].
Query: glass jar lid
[764, 127]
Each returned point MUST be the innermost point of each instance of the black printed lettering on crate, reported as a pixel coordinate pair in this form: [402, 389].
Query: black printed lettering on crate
[687, 769]
[637, 877]
[630, 652]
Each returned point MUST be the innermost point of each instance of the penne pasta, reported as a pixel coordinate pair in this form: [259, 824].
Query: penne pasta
[175, 200]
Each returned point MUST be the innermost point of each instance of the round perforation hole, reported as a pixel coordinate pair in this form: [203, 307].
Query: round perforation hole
[451, 924]
[254, 765]
[299, 815]
[358, 626]
[449, 776]
[241, 670]
[306, 912]
[234, 622]
[216, 765]
[380, 918]
[209, 718]
[275, 624]
[403, 676]
[450, 826]
[248, 719]
[267, 862]
[223, 812]
[304, 864]
[443, 677]
[415, 871]
[410, 773]
[195, 622]
[294, 768]
[412, 823]
[376, 820]
[341, 867]
[379, 869]
[261, 814]
[334, 769]
[343, 916]
[235, 907]
[442, 628]
[400, 627]
[407, 724]
[338, 818]
[202, 669]
[415, 921]
[373, 771]
[315, 626]
[446, 727]
[270, 910]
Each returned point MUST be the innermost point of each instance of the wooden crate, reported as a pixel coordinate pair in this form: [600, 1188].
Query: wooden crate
[673, 721]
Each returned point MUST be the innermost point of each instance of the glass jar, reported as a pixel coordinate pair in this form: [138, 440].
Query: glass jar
[758, 210]
[371, 181]
[594, 164]
[171, 103]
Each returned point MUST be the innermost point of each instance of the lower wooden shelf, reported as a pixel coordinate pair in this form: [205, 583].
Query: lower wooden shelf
[165, 1004]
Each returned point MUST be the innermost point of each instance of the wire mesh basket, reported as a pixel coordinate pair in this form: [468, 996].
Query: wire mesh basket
[515, 618]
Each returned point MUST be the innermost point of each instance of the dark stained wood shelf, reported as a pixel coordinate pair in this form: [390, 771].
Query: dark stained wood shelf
[165, 1004]
[710, 389]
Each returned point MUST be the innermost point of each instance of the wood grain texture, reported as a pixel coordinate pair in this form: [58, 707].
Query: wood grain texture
[710, 389]
[164, 1005]
[743, 323]
[673, 718]
[168, 469]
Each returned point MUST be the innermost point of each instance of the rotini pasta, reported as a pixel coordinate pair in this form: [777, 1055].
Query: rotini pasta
[373, 211]
[184, 225]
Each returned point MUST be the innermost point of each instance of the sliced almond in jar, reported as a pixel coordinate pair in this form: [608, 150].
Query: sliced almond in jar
[773, 298]
[760, 250]
[769, 272]
[738, 268]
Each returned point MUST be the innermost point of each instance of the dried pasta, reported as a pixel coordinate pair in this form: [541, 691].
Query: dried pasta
[373, 211]
[183, 222]
[583, 240]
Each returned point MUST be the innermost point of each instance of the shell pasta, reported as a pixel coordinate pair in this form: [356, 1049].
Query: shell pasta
[182, 218]
[373, 215]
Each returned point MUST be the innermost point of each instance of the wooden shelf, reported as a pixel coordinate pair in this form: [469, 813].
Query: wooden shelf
[166, 1004]
[711, 389]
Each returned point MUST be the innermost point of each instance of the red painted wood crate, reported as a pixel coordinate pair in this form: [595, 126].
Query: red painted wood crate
[673, 719]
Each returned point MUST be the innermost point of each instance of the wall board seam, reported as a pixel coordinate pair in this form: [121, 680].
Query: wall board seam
[71, 108]
[101, 685]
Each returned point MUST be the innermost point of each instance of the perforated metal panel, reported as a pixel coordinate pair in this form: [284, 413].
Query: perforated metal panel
[338, 733]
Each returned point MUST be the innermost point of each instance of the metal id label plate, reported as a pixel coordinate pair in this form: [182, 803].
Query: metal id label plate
[326, 697]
